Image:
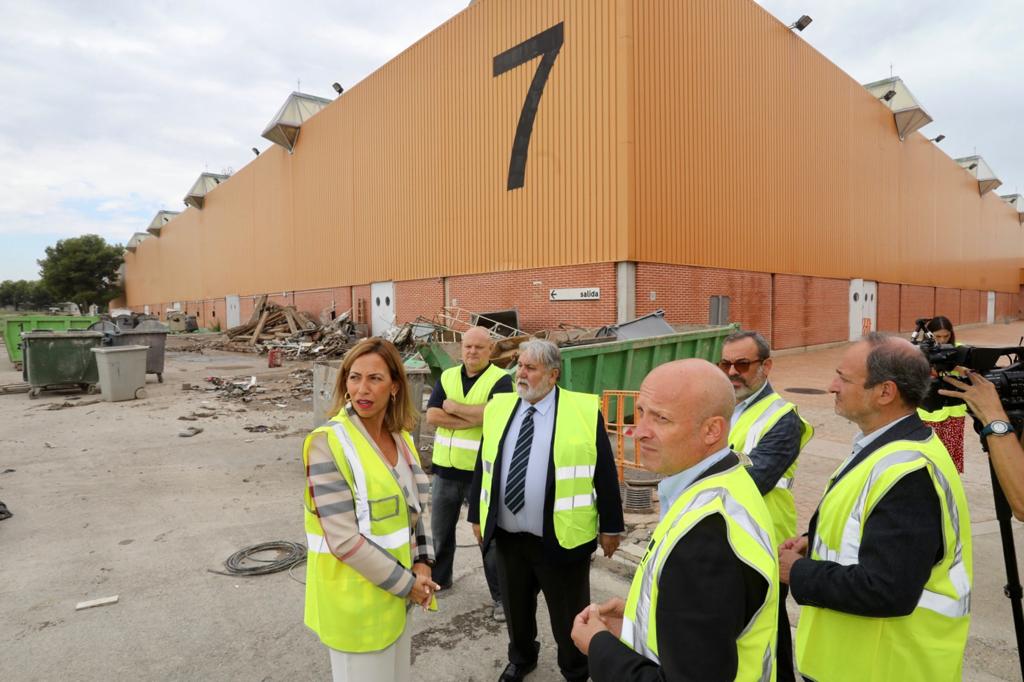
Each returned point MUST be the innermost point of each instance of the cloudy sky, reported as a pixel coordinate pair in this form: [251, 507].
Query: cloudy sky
[111, 109]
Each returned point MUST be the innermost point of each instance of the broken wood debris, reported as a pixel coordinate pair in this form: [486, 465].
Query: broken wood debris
[103, 601]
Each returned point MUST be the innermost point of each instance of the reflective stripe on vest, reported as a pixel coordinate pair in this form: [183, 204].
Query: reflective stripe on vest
[748, 523]
[849, 550]
[832, 645]
[457, 448]
[575, 459]
[753, 424]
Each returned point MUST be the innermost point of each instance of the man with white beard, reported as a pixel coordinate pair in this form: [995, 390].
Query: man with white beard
[545, 492]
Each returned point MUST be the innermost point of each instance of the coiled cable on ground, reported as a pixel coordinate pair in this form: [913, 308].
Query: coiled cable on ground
[245, 563]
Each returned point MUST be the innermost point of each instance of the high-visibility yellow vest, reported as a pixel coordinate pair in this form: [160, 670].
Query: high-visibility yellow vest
[347, 611]
[733, 495]
[927, 645]
[457, 448]
[755, 421]
[575, 455]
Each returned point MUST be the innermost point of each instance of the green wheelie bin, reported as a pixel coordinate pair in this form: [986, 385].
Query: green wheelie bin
[60, 360]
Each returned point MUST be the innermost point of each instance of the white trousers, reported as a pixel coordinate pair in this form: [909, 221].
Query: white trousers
[393, 664]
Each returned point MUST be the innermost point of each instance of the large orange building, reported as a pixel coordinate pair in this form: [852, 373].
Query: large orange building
[616, 156]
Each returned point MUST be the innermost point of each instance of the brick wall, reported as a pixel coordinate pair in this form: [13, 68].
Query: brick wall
[527, 291]
[809, 310]
[915, 301]
[888, 307]
[972, 308]
[313, 302]
[684, 292]
[418, 297]
[947, 303]
[1004, 306]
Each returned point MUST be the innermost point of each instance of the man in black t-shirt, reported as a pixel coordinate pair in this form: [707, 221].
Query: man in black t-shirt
[456, 409]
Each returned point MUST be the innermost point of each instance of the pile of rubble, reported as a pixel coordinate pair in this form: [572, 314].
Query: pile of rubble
[295, 333]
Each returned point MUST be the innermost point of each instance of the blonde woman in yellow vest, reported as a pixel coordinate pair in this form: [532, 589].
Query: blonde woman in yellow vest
[456, 409]
[703, 601]
[885, 572]
[770, 432]
[367, 520]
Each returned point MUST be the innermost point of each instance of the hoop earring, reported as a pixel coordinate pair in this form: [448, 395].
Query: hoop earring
[346, 398]
[394, 397]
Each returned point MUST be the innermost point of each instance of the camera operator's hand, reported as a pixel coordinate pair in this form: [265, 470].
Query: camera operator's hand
[978, 392]
[1004, 451]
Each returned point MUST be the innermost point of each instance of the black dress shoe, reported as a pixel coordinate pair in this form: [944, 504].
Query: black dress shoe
[516, 673]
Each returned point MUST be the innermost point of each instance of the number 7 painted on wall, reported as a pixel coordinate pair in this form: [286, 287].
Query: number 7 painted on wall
[549, 44]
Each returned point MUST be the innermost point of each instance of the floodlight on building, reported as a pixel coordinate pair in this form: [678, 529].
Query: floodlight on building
[972, 166]
[337, 88]
[255, 151]
[800, 24]
[937, 138]
[889, 94]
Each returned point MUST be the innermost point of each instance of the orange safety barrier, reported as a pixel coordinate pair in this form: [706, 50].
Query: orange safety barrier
[616, 406]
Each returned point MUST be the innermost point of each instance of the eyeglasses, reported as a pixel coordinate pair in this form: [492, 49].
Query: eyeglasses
[741, 365]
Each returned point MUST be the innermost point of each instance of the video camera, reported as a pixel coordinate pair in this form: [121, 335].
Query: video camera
[944, 358]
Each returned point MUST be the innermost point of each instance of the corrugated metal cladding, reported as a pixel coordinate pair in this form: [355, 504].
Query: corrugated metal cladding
[754, 152]
[696, 132]
[404, 176]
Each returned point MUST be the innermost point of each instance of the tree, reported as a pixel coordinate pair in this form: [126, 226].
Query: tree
[23, 294]
[82, 269]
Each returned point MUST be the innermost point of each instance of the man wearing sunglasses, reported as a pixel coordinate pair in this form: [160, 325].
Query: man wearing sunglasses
[768, 430]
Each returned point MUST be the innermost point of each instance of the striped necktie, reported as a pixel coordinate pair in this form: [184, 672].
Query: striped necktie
[515, 486]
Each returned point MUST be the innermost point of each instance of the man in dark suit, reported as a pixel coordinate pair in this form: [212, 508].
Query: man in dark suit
[884, 572]
[545, 492]
[703, 602]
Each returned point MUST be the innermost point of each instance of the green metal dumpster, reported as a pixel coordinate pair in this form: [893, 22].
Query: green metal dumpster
[612, 365]
[622, 365]
[13, 327]
[60, 359]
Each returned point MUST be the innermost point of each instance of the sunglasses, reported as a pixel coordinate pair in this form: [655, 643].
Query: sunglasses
[741, 365]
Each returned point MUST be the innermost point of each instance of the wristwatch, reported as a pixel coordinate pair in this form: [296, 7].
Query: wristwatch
[996, 428]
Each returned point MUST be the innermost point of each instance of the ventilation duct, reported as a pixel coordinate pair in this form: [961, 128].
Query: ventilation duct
[159, 220]
[137, 239]
[910, 116]
[297, 109]
[1017, 201]
[976, 166]
[206, 182]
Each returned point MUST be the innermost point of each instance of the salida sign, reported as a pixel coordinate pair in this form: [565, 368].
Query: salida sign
[584, 294]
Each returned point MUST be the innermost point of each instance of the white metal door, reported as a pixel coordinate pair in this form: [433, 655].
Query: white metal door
[869, 322]
[856, 301]
[990, 314]
[234, 310]
[382, 302]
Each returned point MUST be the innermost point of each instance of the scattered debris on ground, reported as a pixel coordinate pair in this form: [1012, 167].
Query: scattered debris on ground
[190, 431]
[103, 601]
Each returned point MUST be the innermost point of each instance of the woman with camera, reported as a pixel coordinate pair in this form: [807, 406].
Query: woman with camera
[947, 422]
[1004, 450]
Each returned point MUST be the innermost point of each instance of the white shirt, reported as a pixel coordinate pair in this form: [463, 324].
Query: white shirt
[669, 489]
[530, 518]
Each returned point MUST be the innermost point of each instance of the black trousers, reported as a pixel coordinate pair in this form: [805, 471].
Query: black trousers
[523, 571]
[784, 648]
